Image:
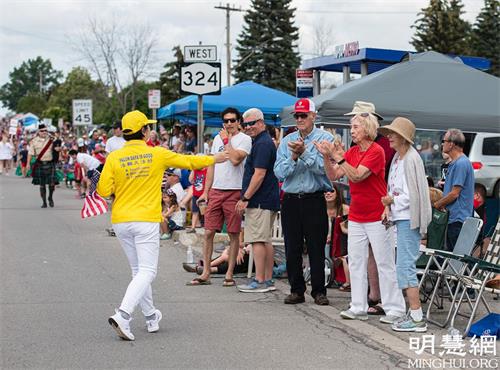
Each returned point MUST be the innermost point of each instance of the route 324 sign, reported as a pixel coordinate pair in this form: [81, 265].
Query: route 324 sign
[200, 79]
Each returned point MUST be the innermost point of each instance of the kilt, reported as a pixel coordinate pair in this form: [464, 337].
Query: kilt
[45, 174]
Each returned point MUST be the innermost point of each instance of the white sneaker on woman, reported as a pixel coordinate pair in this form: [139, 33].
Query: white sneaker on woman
[154, 325]
[121, 325]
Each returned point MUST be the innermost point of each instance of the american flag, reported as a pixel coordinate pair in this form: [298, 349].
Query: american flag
[93, 204]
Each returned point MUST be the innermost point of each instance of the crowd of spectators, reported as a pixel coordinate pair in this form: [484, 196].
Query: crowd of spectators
[297, 176]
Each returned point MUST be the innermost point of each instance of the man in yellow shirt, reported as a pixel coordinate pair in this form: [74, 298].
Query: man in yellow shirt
[133, 174]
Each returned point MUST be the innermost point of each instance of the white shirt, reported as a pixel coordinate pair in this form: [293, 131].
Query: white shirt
[6, 150]
[179, 191]
[179, 217]
[88, 161]
[114, 143]
[226, 175]
[398, 189]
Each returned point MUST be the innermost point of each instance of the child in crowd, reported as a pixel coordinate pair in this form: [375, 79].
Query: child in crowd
[197, 178]
[99, 153]
[337, 212]
[173, 218]
[23, 158]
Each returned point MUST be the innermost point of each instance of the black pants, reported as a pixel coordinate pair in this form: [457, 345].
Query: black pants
[452, 235]
[305, 219]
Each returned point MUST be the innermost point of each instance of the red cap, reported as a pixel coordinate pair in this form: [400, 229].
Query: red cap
[304, 106]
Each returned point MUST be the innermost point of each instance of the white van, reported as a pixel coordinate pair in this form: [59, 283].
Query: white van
[484, 154]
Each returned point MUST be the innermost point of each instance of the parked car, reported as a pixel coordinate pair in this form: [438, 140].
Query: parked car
[484, 153]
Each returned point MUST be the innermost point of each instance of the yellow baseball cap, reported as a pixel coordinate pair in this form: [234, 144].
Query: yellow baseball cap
[134, 121]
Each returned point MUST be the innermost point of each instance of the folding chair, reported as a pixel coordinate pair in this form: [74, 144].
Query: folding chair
[452, 266]
[483, 270]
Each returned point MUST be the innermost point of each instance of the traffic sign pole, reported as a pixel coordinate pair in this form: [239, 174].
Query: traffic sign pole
[155, 126]
[201, 124]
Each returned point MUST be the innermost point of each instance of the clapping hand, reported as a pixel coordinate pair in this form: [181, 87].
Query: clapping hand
[297, 147]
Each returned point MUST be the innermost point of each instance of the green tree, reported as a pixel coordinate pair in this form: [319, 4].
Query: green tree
[35, 77]
[170, 79]
[79, 85]
[485, 40]
[267, 46]
[141, 96]
[441, 28]
[32, 102]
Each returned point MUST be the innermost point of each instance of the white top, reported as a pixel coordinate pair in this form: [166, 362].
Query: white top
[179, 192]
[179, 217]
[226, 175]
[398, 189]
[6, 150]
[114, 143]
[88, 161]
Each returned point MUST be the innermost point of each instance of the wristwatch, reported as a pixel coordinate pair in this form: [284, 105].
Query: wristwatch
[243, 199]
[341, 161]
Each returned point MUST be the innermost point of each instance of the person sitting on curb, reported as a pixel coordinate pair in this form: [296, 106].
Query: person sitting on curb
[172, 215]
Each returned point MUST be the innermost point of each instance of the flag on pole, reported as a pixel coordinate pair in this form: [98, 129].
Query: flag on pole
[93, 204]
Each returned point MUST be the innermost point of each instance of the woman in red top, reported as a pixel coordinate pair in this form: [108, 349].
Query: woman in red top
[364, 166]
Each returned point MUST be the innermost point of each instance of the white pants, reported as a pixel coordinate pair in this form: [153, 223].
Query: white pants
[141, 243]
[382, 242]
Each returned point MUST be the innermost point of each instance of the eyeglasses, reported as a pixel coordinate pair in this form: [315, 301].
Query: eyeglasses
[227, 120]
[249, 123]
[445, 141]
[43, 131]
[300, 115]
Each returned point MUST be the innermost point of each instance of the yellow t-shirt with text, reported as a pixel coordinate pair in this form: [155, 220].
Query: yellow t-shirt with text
[134, 174]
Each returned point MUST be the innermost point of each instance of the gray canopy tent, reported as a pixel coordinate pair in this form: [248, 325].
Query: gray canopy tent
[433, 90]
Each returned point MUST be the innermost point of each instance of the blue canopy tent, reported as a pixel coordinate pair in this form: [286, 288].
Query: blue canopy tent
[29, 119]
[242, 96]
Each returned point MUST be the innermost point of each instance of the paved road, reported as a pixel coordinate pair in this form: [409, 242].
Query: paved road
[62, 277]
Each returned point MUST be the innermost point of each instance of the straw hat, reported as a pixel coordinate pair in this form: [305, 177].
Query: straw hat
[364, 107]
[401, 126]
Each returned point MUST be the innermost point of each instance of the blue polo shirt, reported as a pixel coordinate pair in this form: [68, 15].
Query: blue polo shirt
[460, 173]
[263, 155]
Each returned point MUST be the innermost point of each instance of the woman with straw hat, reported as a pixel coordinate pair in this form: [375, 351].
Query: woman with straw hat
[407, 204]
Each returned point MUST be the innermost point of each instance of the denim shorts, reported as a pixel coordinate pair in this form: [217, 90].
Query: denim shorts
[408, 251]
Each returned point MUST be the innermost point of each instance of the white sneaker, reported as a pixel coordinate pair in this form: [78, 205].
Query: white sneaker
[391, 319]
[154, 325]
[349, 315]
[121, 325]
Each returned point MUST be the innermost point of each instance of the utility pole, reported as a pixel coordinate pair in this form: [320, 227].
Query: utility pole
[228, 10]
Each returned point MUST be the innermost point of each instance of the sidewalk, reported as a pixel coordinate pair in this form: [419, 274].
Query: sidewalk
[372, 331]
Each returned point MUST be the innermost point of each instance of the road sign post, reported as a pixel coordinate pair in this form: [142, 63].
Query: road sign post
[201, 79]
[154, 102]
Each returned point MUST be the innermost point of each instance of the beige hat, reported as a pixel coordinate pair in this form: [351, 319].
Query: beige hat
[363, 107]
[401, 126]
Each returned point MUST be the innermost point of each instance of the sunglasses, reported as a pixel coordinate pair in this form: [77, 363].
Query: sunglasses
[249, 123]
[300, 115]
[445, 141]
[43, 131]
[227, 120]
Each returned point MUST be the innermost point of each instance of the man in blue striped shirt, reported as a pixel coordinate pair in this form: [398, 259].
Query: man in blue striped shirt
[299, 166]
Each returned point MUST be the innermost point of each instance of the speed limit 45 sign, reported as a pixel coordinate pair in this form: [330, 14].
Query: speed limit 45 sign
[200, 79]
[82, 112]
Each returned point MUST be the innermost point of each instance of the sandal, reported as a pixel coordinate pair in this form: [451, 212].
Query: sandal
[228, 282]
[189, 267]
[346, 287]
[376, 310]
[198, 281]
